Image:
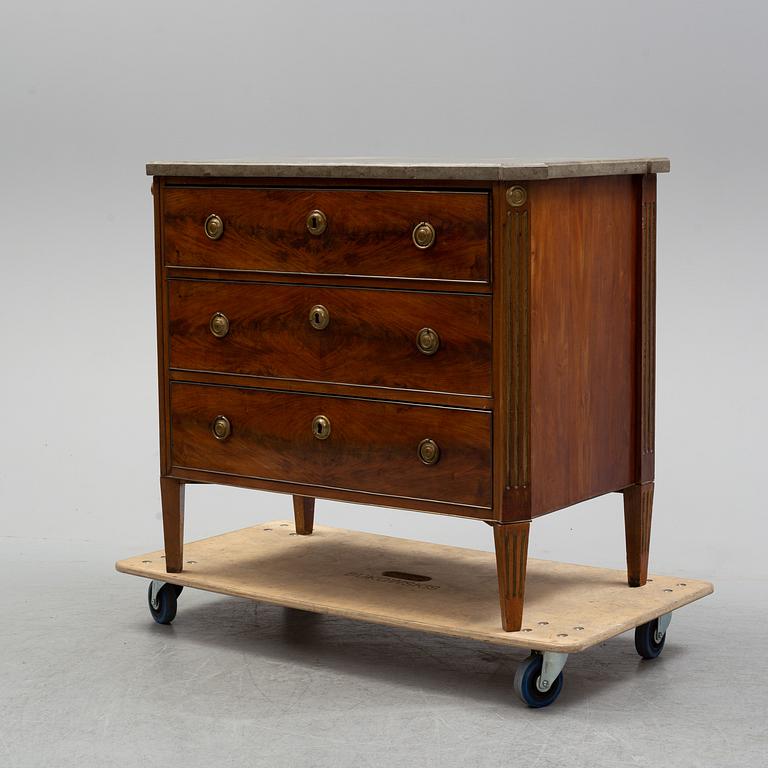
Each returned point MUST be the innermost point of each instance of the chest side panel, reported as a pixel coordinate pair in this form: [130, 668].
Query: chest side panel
[585, 236]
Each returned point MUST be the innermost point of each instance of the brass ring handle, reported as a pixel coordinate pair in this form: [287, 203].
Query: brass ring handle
[429, 451]
[219, 325]
[321, 427]
[221, 428]
[317, 221]
[319, 317]
[423, 235]
[214, 226]
[428, 341]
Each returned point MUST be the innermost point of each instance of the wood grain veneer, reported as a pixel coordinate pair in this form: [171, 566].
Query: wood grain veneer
[370, 339]
[369, 232]
[583, 337]
[372, 447]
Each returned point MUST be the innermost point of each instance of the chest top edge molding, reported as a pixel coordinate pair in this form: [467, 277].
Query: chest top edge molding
[379, 168]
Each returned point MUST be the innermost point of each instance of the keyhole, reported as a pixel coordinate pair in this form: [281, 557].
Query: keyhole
[318, 317]
[321, 427]
[316, 222]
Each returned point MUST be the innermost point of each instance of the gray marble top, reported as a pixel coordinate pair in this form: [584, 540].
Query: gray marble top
[385, 168]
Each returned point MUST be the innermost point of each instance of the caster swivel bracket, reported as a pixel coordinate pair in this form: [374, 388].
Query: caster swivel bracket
[156, 586]
[663, 625]
[552, 665]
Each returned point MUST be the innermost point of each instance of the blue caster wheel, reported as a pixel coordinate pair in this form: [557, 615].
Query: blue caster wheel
[525, 683]
[163, 608]
[648, 643]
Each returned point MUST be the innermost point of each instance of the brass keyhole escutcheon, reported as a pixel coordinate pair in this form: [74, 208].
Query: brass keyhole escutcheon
[423, 235]
[427, 341]
[429, 451]
[219, 325]
[316, 222]
[319, 317]
[214, 226]
[321, 427]
[221, 428]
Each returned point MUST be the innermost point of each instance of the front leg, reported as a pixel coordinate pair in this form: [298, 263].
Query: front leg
[511, 540]
[172, 498]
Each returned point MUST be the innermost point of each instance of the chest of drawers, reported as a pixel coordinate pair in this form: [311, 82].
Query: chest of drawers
[472, 340]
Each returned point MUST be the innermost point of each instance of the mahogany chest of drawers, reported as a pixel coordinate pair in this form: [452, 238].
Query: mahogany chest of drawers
[473, 340]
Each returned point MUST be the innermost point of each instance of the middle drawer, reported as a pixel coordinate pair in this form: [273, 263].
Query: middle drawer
[438, 342]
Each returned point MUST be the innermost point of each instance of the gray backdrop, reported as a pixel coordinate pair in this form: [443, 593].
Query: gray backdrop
[90, 91]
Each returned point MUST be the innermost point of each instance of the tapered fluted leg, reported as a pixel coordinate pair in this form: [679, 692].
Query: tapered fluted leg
[304, 514]
[638, 506]
[172, 498]
[511, 540]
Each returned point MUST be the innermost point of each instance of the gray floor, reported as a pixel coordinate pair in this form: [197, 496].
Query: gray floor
[87, 679]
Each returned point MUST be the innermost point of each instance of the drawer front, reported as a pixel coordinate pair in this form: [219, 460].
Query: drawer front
[372, 446]
[366, 233]
[438, 342]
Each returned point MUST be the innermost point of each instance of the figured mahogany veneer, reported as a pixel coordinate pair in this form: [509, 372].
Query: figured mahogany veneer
[368, 232]
[541, 391]
[370, 339]
[372, 446]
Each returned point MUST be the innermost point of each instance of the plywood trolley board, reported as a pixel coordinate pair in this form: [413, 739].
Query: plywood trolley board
[429, 587]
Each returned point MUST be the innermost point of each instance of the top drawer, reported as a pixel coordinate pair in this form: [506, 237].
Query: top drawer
[356, 232]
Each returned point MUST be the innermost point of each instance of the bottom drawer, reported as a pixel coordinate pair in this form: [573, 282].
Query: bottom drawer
[412, 451]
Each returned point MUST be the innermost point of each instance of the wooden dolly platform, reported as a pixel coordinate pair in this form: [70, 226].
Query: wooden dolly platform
[429, 587]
